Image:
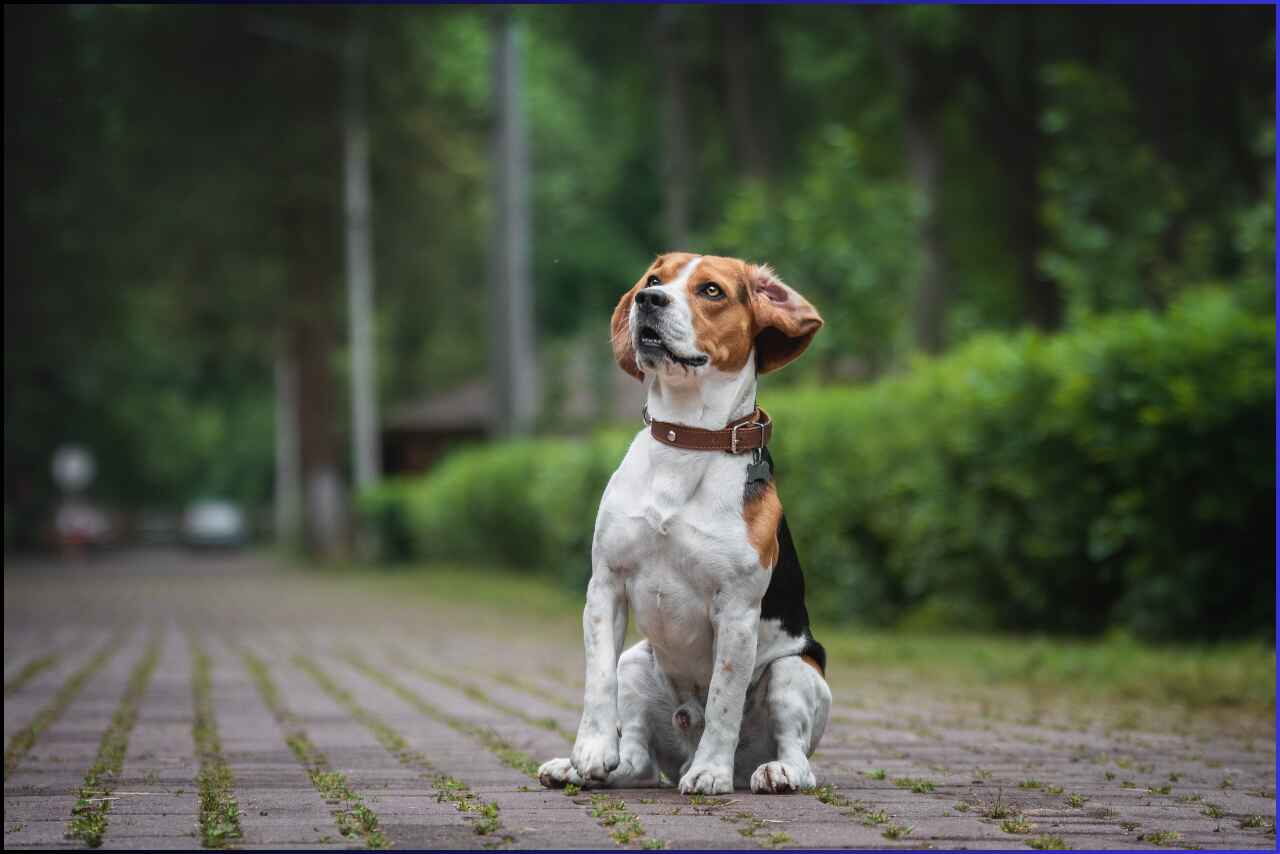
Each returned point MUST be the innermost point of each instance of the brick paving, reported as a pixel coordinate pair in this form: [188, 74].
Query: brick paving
[438, 697]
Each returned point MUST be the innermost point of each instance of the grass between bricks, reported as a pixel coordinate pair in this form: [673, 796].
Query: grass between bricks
[352, 815]
[477, 694]
[89, 815]
[29, 672]
[219, 820]
[450, 789]
[494, 743]
[499, 747]
[24, 739]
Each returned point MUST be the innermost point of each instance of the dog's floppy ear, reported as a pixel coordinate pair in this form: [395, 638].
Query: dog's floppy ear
[785, 321]
[624, 349]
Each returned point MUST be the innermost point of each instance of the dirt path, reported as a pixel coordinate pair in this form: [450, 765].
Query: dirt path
[163, 699]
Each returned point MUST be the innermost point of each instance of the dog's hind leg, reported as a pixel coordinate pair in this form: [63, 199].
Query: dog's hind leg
[639, 692]
[797, 705]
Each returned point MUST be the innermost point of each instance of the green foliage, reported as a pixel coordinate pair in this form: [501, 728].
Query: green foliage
[1118, 475]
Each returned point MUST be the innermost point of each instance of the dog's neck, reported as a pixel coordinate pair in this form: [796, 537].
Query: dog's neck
[710, 403]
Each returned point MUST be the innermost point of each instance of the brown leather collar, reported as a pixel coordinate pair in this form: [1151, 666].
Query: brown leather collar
[745, 434]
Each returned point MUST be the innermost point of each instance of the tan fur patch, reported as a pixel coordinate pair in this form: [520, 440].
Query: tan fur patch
[812, 662]
[724, 327]
[762, 515]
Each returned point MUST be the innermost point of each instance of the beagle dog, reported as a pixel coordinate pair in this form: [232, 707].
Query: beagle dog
[727, 687]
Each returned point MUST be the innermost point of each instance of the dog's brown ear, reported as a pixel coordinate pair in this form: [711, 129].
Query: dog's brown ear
[624, 350]
[785, 321]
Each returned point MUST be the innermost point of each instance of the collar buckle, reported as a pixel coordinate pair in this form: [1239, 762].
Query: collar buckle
[733, 435]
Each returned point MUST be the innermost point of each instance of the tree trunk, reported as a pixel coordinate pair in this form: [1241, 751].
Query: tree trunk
[513, 363]
[741, 53]
[923, 99]
[312, 341]
[675, 136]
[366, 455]
[1022, 145]
[288, 480]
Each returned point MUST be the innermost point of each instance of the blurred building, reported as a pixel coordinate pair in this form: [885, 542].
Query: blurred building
[416, 434]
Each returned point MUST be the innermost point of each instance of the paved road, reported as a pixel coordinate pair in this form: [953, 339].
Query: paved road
[160, 699]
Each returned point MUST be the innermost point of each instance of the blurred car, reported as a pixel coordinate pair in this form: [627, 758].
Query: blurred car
[214, 523]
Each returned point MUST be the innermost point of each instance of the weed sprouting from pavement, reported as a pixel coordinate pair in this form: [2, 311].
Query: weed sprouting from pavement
[612, 814]
[24, 739]
[219, 818]
[1213, 811]
[1048, 843]
[447, 788]
[1162, 837]
[1076, 800]
[877, 773]
[871, 819]
[1018, 824]
[915, 784]
[897, 831]
[1252, 822]
[89, 815]
[1031, 784]
[999, 808]
[353, 816]
[828, 795]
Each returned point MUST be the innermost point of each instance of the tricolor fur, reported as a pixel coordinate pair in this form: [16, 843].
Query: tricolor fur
[727, 687]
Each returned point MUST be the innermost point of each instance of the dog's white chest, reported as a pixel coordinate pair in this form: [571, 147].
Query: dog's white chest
[671, 524]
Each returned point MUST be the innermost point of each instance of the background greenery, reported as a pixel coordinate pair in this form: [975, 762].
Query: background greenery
[938, 180]
[1118, 475]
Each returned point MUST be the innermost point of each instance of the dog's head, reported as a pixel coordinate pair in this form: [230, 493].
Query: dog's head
[689, 314]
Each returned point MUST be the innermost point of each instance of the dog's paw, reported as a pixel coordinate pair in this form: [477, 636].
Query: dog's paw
[558, 773]
[707, 780]
[595, 756]
[776, 778]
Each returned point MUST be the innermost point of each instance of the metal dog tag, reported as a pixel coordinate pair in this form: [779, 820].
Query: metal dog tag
[758, 469]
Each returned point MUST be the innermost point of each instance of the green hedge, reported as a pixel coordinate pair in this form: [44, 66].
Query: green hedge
[1119, 475]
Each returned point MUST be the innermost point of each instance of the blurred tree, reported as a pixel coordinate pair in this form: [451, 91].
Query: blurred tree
[172, 198]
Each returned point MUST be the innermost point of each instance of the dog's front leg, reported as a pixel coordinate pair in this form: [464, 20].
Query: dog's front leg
[736, 626]
[604, 626]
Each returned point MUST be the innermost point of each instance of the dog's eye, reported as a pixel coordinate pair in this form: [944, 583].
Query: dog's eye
[711, 290]
[653, 282]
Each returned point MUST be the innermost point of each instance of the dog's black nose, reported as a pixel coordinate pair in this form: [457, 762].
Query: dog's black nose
[652, 299]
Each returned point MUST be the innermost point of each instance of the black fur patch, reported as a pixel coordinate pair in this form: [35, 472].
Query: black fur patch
[784, 600]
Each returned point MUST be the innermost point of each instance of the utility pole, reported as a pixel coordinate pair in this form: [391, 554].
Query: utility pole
[355, 167]
[513, 363]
